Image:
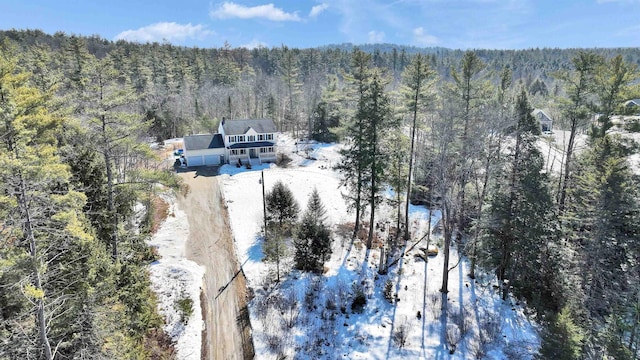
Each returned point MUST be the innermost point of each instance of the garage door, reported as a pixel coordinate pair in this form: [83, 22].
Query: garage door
[212, 159]
[194, 161]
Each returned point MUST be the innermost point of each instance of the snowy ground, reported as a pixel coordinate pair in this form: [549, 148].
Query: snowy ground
[173, 278]
[310, 316]
[553, 148]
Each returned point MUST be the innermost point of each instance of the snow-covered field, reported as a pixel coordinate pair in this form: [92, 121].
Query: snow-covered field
[309, 316]
[174, 278]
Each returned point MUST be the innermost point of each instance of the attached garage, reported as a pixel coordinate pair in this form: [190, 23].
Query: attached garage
[204, 150]
[195, 160]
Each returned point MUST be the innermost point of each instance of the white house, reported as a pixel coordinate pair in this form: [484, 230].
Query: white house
[546, 123]
[237, 141]
[249, 141]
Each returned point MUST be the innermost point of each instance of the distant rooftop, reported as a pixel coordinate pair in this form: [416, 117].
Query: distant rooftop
[240, 127]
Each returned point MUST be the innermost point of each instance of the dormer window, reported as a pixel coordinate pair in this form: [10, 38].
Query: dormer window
[251, 138]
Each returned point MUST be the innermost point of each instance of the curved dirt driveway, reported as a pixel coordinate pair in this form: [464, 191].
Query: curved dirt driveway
[210, 244]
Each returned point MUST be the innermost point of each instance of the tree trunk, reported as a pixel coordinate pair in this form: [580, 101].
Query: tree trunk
[474, 245]
[407, 235]
[111, 206]
[28, 227]
[447, 229]
[356, 227]
[567, 164]
[372, 196]
[399, 213]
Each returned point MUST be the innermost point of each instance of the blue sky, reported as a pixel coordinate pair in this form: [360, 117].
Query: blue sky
[458, 24]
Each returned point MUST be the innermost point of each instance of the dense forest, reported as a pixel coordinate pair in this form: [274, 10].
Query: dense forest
[77, 113]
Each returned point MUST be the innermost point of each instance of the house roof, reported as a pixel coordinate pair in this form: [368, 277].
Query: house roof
[545, 116]
[633, 102]
[203, 141]
[239, 127]
[256, 144]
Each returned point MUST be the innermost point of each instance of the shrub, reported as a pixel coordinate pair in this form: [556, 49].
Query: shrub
[359, 299]
[401, 334]
[453, 337]
[388, 291]
[185, 309]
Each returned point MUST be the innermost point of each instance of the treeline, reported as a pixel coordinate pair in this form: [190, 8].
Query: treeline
[188, 90]
[73, 166]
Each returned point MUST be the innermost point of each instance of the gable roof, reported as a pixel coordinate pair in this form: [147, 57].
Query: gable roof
[206, 141]
[545, 116]
[239, 127]
[635, 102]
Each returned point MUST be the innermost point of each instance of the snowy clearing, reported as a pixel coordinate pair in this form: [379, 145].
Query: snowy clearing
[309, 316]
[175, 278]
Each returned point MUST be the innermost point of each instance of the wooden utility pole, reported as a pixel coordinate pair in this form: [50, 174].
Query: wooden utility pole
[264, 204]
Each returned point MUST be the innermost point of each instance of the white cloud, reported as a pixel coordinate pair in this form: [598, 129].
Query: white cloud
[316, 10]
[254, 44]
[229, 10]
[423, 39]
[169, 31]
[376, 36]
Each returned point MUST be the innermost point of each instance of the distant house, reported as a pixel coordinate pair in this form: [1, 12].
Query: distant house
[237, 141]
[633, 103]
[546, 123]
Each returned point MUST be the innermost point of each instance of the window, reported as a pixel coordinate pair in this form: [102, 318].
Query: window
[234, 152]
[260, 137]
[266, 150]
[251, 138]
[241, 138]
[243, 151]
[269, 136]
[232, 139]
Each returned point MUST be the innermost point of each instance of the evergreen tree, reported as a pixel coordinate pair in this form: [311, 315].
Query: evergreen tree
[290, 70]
[397, 146]
[579, 88]
[114, 128]
[377, 114]
[496, 129]
[282, 209]
[563, 338]
[416, 78]
[353, 164]
[282, 213]
[518, 223]
[612, 80]
[604, 219]
[327, 117]
[313, 238]
[470, 91]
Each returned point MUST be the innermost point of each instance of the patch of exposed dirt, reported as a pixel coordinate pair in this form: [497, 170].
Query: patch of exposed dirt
[210, 244]
[160, 213]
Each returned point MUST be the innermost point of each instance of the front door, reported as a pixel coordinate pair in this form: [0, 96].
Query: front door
[253, 153]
